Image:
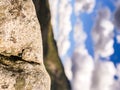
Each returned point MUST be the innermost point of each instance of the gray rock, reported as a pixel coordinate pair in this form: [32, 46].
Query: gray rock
[21, 56]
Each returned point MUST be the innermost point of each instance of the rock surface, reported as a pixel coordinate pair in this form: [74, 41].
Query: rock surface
[20, 75]
[21, 58]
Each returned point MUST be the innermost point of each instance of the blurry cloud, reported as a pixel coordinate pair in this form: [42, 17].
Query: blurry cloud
[82, 63]
[61, 14]
[116, 85]
[102, 34]
[64, 27]
[67, 66]
[54, 14]
[117, 18]
[82, 67]
[118, 38]
[103, 75]
[84, 6]
[116, 3]
[83, 72]
[79, 35]
[63, 44]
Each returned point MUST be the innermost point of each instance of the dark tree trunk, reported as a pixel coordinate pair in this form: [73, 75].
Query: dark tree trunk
[51, 58]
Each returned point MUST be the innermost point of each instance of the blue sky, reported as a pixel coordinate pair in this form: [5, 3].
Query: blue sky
[88, 23]
[116, 56]
[79, 66]
[87, 20]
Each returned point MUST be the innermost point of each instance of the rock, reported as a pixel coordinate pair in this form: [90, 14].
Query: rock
[51, 59]
[20, 75]
[21, 56]
[20, 31]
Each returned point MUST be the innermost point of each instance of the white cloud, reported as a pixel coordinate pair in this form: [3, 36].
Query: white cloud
[118, 38]
[82, 67]
[67, 66]
[54, 13]
[102, 34]
[116, 2]
[85, 74]
[103, 75]
[107, 49]
[63, 45]
[108, 27]
[82, 63]
[64, 27]
[84, 6]
[117, 17]
[116, 85]
[61, 14]
[79, 34]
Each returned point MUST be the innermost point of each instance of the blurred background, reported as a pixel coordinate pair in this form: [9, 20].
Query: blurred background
[81, 43]
[87, 35]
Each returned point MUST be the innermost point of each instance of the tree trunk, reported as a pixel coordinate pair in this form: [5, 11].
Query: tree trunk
[51, 58]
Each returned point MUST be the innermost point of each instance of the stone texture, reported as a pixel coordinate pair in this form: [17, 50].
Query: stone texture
[19, 30]
[20, 75]
[21, 57]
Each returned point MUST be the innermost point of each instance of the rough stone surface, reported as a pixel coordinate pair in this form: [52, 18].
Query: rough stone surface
[19, 30]
[19, 75]
[21, 58]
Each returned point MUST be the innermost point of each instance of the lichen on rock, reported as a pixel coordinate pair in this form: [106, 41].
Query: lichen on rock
[19, 30]
[21, 56]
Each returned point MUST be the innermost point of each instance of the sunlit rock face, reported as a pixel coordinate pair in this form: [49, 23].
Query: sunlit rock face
[21, 57]
[20, 31]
